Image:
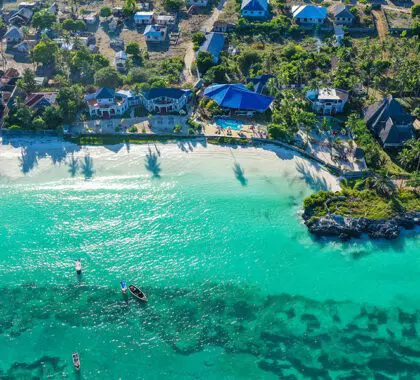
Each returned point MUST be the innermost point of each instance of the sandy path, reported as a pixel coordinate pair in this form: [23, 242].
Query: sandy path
[206, 26]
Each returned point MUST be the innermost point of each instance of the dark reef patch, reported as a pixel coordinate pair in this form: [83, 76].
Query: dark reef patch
[292, 337]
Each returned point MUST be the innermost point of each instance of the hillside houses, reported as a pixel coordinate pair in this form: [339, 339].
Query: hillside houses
[254, 8]
[342, 15]
[309, 14]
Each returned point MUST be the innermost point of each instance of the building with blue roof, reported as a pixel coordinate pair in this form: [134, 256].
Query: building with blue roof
[155, 33]
[213, 44]
[309, 14]
[165, 100]
[238, 99]
[254, 8]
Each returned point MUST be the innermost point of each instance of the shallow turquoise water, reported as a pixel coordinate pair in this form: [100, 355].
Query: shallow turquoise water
[237, 287]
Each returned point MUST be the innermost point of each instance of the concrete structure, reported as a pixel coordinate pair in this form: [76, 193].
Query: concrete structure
[165, 20]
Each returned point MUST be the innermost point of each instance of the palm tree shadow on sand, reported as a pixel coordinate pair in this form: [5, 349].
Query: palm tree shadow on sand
[314, 181]
[152, 164]
[73, 165]
[240, 174]
[87, 167]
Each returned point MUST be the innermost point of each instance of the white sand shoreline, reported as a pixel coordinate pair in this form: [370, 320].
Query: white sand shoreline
[48, 158]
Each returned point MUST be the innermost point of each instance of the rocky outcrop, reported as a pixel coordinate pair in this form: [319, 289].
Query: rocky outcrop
[346, 227]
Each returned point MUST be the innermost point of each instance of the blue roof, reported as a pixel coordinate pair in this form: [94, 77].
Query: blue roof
[309, 11]
[254, 5]
[237, 96]
[105, 93]
[154, 30]
[174, 93]
[214, 45]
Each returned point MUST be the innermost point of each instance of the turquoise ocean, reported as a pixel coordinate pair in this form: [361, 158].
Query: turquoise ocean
[237, 287]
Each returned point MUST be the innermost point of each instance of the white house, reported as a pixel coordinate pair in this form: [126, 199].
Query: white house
[90, 19]
[143, 18]
[165, 20]
[327, 101]
[155, 33]
[106, 103]
[165, 100]
[309, 14]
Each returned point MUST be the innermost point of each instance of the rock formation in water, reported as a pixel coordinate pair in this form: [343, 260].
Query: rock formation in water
[347, 227]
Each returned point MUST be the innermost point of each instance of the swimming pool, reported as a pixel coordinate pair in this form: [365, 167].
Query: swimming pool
[229, 123]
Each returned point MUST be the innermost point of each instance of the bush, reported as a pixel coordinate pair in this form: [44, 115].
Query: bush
[105, 12]
[178, 128]
[132, 129]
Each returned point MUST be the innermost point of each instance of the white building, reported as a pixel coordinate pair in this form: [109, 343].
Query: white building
[143, 18]
[165, 100]
[106, 103]
[309, 14]
[165, 20]
[327, 101]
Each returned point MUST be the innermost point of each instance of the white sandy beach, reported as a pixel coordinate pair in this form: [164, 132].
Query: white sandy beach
[24, 159]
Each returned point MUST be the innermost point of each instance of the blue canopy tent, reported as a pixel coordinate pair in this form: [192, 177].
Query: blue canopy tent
[238, 97]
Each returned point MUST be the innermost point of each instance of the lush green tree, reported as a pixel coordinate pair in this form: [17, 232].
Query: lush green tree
[204, 61]
[409, 156]
[38, 123]
[383, 185]
[246, 60]
[45, 51]
[137, 75]
[43, 19]
[70, 101]
[172, 5]
[52, 117]
[415, 10]
[197, 39]
[20, 115]
[130, 5]
[216, 74]
[281, 132]
[3, 28]
[133, 48]
[27, 83]
[107, 77]
[105, 12]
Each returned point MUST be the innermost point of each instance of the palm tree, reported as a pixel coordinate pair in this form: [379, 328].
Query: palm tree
[383, 185]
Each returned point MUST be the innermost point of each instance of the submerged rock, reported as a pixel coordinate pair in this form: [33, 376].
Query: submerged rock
[346, 227]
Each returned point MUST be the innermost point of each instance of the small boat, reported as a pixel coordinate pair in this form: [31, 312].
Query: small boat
[78, 266]
[123, 286]
[76, 361]
[136, 292]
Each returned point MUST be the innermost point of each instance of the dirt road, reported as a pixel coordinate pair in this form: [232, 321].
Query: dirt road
[189, 57]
